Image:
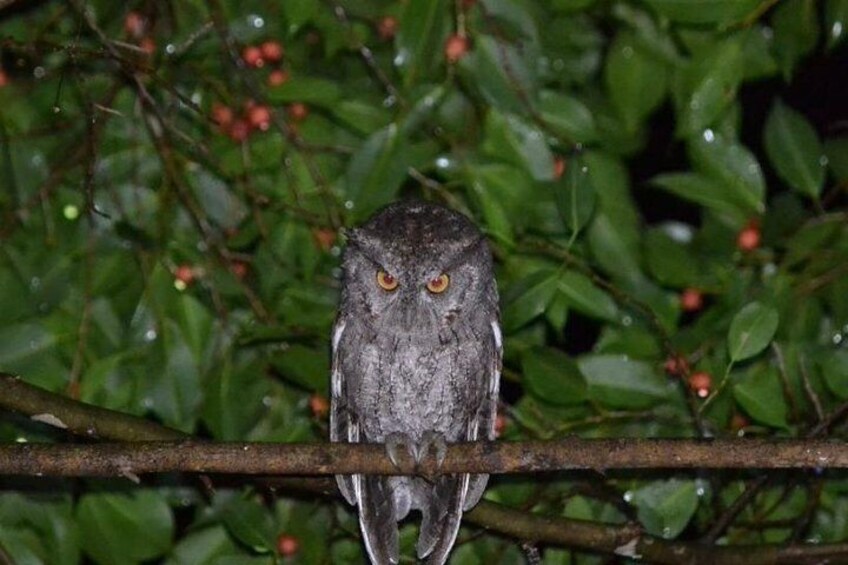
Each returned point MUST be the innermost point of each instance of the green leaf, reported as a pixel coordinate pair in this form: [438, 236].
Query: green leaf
[635, 80]
[376, 171]
[705, 191]
[485, 68]
[666, 507]
[669, 261]
[124, 528]
[308, 90]
[202, 546]
[751, 331]
[553, 377]
[796, 32]
[715, 12]
[304, 366]
[619, 382]
[250, 523]
[575, 195]
[794, 149]
[835, 372]
[519, 142]
[567, 116]
[706, 86]
[498, 189]
[422, 29]
[529, 298]
[582, 295]
[836, 150]
[733, 165]
[761, 396]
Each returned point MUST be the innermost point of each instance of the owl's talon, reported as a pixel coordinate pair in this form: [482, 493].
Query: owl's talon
[436, 441]
[395, 441]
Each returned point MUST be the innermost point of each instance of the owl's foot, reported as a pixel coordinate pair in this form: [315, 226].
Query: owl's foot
[397, 440]
[437, 442]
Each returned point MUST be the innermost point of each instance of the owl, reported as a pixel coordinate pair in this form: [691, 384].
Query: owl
[416, 360]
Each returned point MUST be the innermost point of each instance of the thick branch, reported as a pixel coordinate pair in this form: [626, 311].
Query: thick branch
[109, 459]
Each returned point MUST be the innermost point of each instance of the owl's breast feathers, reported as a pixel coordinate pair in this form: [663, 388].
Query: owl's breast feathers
[400, 383]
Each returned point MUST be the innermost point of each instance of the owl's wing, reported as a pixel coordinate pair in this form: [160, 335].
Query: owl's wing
[483, 426]
[343, 427]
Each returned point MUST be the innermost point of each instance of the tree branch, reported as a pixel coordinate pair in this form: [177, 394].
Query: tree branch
[197, 456]
[626, 540]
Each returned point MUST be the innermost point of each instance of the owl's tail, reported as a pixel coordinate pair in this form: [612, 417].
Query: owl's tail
[377, 518]
[441, 515]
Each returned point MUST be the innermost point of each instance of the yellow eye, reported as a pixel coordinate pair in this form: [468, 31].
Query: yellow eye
[439, 284]
[386, 281]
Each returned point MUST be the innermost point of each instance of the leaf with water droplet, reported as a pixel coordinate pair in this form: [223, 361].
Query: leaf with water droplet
[575, 195]
[665, 507]
[733, 165]
[635, 79]
[761, 395]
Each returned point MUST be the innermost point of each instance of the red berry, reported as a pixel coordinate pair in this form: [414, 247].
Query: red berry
[184, 273]
[239, 130]
[259, 117]
[456, 47]
[691, 300]
[298, 111]
[559, 167]
[239, 268]
[278, 77]
[271, 51]
[4, 78]
[500, 424]
[324, 238]
[252, 56]
[134, 25]
[387, 27]
[676, 366]
[319, 405]
[701, 383]
[287, 545]
[749, 238]
[148, 45]
[222, 115]
[738, 422]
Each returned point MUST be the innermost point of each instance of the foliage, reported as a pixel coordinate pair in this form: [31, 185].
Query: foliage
[172, 206]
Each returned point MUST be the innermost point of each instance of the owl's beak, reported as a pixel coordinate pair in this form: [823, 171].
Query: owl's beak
[410, 312]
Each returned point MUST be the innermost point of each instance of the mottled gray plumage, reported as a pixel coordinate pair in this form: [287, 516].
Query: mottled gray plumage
[415, 369]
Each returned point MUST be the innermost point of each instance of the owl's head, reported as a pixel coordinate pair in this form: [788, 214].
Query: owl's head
[416, 266]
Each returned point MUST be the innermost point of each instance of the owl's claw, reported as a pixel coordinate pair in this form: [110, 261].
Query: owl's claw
[436, 441]
[395, 441]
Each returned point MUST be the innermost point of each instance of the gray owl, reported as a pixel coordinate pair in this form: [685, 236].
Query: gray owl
[416, 364]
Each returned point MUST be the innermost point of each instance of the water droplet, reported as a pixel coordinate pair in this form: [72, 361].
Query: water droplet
[627, 51]
[400, 59]
[626, 320]
[823, 161]
[197, 97]
[700, 491]
[33, 344]
[836, 29]
[389, 101]
[769, 270]
[34, 284]
[256, 21]
[70, 212]
[39, 72]
[180, 285]
[666, 532]
[709, 136]
[443, 162]
[837, 338]
[56, 109]
[267, 401]
[170, 49]
[694, 105]
[627, 496]
[150, 334]
[21, 439]
[584, 169]
[348, 204]
[147, 402]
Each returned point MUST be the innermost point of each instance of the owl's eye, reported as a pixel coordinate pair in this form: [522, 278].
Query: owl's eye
[386, 281]
[439, 284]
